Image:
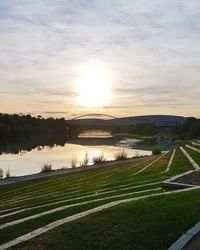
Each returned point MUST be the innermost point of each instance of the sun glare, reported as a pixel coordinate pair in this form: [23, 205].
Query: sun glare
[94, 87]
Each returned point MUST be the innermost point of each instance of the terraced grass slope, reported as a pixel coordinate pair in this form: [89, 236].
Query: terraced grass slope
[195, 155]
[152, 223]
[30, 205]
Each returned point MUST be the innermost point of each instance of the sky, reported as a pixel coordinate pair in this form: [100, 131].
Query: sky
[145, 54]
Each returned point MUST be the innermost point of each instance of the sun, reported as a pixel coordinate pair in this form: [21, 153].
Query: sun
[94, 86]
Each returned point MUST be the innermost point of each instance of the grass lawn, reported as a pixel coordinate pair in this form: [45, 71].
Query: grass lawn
[136, 225]
[195, 155]
[153, 223]
[180, 163]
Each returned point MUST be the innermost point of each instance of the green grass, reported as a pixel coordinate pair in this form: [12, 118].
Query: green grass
[195, 146]
[27, 196]
[96, 186]
[180, 163]
[195, 155]
[8, 233]
[153, 223]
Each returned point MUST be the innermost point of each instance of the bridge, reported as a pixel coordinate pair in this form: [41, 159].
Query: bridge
[92, 116]
[87, 122]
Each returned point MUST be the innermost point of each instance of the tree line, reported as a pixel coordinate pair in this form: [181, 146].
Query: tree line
[20, 127]
[189, 130]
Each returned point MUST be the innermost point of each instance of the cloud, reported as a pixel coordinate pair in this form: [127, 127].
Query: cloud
[151, 49]
[55, 113]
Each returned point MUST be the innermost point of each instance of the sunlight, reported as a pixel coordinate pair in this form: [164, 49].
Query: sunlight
[94, 86]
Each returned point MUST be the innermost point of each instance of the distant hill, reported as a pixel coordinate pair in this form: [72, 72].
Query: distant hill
[159, 120]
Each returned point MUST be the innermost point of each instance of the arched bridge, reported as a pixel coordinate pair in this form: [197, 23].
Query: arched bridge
[94, 116]
[89, 122]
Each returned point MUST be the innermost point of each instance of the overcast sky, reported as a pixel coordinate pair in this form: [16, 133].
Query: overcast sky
[151, 50]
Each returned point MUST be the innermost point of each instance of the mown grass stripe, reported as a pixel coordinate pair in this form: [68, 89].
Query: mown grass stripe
[12, 223]
[98, 192]
[149, 165]
[65, 177]
[60, 222]
[194, 164]
[61, 197]
[77, 184]
[16, 201]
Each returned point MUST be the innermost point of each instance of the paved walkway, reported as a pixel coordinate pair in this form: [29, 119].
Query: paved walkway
[195, 143]
[189, 240]
[194, 149]
[193, 244]
[194, 164]
[170, 162]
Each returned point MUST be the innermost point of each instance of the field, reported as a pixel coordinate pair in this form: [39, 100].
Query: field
[126, 207]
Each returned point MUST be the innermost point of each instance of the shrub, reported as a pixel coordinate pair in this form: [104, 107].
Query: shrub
[46, 168]
[99, 159]
[156, 151]
[122, 155]
[85, 161]
[1, 173]
[8, 173]
[73, 163]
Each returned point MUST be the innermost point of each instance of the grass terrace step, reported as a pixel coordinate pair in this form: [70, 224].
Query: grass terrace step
[17, 230]
[195, 155]
[94, 187]
[153, 223]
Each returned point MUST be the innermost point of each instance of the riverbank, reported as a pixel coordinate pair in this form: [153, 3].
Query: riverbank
[141, 214]
[40, 175]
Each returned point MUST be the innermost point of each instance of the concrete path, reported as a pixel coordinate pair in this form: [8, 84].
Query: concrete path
[9, 209]
[188, 240]
[194, 149]
[170, 162]
[194, 164]
[149, 165]
[196, 144]
[60, 222]
[194, 243]
[171, 182]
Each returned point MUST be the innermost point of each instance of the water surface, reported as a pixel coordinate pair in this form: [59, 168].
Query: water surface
[29, 162]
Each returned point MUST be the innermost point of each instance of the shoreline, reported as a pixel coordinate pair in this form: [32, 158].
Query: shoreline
[16, 179]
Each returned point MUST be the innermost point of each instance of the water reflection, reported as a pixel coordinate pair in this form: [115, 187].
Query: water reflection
[98, 134]
[27, 157]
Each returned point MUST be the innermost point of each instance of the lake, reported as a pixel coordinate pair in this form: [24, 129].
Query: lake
[60, 156]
